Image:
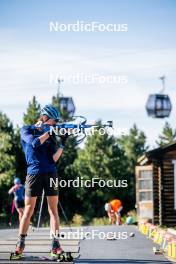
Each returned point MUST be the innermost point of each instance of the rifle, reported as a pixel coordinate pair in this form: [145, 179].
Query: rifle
[69, 128]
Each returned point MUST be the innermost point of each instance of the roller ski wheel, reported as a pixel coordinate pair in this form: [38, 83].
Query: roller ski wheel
[56, 250]
[65, 257]
[55, 254]
[16, 256]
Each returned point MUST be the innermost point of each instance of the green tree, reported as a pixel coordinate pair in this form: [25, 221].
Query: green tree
[7, 160]
[133, 145]
[100, 158]
[5, 124]
[167, 136]
[32, 113]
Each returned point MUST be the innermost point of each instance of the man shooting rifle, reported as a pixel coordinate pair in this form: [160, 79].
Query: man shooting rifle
[41, 153]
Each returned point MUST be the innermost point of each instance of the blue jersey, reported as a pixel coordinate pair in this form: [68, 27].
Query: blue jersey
[18, 192]
[39, 157]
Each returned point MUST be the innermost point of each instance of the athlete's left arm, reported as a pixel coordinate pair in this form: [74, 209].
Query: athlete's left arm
[57, 155]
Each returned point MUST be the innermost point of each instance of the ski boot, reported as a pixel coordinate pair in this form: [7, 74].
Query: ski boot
[18, 254]
[56, 250]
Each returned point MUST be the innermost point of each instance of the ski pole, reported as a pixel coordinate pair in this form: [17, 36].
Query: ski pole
[12, 211]
[40, 212]
[64, 214]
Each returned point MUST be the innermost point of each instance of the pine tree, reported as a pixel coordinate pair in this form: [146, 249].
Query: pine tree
[7, 160]
[101, 158]
[134, 145]
[167, 136]
[5, 124]
[33, 112]
[7, 165]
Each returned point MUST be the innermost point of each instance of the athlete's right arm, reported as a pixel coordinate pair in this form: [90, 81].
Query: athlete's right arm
[29, 138]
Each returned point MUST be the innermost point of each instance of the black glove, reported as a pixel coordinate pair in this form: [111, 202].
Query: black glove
[63, 140]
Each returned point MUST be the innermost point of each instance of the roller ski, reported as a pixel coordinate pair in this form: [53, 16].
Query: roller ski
[63, 257]
[18, 254]
[58, 254]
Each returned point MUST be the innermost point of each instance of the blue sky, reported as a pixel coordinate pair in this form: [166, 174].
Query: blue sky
[32, 57]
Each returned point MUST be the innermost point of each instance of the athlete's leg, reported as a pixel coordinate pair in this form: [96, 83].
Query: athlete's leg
[28, 212]
[33, 189]
[53, 211]
[20, 213]
[54, 225]
[19, 207]
[51, 192]
[24, 224]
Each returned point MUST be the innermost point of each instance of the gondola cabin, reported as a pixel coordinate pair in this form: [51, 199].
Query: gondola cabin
[67, 106]
[158, 105]
[156, 186]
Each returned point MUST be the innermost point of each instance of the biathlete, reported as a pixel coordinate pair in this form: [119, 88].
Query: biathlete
[41, 153]
[113, 209]
[18, 191]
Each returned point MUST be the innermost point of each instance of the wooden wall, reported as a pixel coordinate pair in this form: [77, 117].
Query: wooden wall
[163, 188]
[169, 214]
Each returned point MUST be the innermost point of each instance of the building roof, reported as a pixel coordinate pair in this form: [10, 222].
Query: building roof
[156, 153]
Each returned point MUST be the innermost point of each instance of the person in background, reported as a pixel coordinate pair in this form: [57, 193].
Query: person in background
[113, 209]
[129, 219]
[18, 191]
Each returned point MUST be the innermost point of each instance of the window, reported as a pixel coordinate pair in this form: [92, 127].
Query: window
[145, 186]
[145, 174]
[145, 196]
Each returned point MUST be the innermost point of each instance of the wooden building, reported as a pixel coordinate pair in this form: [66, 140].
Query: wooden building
[156, 185]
